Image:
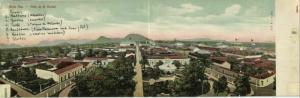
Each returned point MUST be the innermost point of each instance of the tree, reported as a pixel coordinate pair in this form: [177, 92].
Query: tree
[66, 51]
[114, 80]
[218, 53]
[248, 69]
[9, 59]
[265, 56]
[103, 54]
[242, 85]
[260, 70]
[234, 63]
[220, 85]
[193, 82]
[21, 74]
[78, 56]
[90, 53]
[151, 73]
[158, 64]
[144, 60]
[177, 64]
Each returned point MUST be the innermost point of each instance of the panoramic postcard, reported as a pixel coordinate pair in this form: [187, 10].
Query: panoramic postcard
[137, 48]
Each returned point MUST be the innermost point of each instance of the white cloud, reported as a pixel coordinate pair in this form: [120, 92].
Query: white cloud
[189, 8]
[223, 26]
[93, 14]
[232, 10]
[183, 9]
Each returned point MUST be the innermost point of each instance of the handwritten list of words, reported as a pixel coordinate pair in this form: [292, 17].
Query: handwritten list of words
[21, 24]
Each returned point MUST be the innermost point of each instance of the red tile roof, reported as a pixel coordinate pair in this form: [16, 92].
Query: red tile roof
[59, 60]
[167, 56]
[66, 66]
[94, 58]
[264, 64]
[219, 60]
[32, 60]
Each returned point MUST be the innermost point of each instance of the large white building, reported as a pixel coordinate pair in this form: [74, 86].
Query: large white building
[60, 72]
[95, 60]
[153, 61]
[166, 56]
[5, 91]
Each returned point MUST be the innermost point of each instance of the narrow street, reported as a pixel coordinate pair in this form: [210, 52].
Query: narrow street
[138, 77]
[65, 92]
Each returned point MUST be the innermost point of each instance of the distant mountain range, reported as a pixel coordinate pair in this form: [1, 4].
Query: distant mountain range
[129, 37]
[202, 39]
[101, 39]
[63, 42]
[135, 37]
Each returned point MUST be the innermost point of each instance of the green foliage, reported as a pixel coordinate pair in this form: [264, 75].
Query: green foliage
[234, 63]
[78, 56]
[220, 85]
[193, 81]
[115, 80]
[159, 87]
[90, 53]
[158, 63]
[103, 54]
[43, 66]
[177, 64]
[149, 73]
[37, 84]
[218, 53]
[1, 58]
[27, 78]
[243, 86]
[21, 74]
[9, 59]
[144, 60]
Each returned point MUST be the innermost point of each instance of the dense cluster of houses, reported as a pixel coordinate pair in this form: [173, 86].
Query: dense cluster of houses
[221, 67]
[64, 68]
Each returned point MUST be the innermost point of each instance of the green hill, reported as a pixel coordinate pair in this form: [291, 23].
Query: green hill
[135, 37]
[103, 39]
